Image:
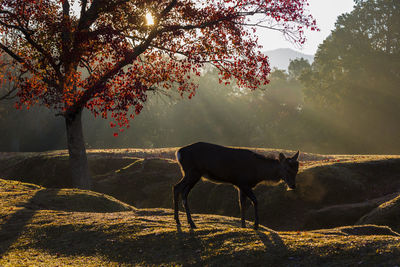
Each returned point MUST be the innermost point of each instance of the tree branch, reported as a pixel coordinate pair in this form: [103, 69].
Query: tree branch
[83, 8]
[27, 34]
[128, 59]
[8, 94]
[66, 36]
[14, 88]
[12, 54]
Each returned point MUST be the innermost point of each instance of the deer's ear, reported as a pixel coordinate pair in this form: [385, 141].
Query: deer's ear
[296, 156]
[281, 157]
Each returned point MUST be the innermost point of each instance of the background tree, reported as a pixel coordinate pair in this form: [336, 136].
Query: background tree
[103, 56]
[354, 81]
[297, 67]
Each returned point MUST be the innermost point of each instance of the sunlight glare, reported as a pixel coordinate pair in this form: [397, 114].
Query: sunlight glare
[149, 19]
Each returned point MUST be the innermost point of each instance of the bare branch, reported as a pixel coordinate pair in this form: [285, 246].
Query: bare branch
[86, 64]
[11, 54]
[9, 95]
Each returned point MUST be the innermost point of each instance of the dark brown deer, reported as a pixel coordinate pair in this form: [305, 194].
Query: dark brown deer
[240, 167]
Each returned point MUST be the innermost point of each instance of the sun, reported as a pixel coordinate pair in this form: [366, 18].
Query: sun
[149, 19]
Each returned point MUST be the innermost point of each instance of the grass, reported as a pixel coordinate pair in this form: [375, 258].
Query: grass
[42, 226]
[93, 229]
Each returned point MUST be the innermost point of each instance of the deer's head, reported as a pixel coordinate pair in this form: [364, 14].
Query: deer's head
[289, 169]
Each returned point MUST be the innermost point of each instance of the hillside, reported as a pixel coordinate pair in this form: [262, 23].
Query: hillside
[280, 58]
[332, 190]
[41, 227]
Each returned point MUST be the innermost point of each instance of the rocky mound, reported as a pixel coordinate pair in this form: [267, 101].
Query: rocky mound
[387, 213]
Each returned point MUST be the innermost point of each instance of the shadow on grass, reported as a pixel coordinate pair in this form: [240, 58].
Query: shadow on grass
[272, 239]
[14, 224]
[129, 245]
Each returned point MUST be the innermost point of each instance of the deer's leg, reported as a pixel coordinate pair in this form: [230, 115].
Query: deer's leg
[178, 188]
[249, 193]
[242, 205]
[192, 179]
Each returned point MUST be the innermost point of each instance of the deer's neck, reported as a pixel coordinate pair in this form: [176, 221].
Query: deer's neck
[269, 171]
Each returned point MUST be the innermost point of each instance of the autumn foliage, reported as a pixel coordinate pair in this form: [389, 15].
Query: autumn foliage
[101, 55]
[104, 56]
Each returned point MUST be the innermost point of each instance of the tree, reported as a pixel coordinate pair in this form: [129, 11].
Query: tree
[355, 76]
[297, 67]
[106, 55]
[365, 46]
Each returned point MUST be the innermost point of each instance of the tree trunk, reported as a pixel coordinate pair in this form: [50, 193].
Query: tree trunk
[79, 169]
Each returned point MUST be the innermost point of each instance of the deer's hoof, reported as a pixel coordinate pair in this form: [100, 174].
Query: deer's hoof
[193, 226]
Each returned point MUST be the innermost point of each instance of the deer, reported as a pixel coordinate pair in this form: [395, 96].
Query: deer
[242, 168]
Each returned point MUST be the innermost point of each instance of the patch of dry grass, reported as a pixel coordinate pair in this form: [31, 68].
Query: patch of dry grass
[52, 235]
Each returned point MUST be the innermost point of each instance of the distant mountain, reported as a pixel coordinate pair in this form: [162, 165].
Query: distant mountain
[280, 58]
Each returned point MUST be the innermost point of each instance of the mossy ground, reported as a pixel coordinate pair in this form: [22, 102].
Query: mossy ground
[92, 229]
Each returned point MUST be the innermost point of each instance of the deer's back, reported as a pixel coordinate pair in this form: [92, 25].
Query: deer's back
[219, 163]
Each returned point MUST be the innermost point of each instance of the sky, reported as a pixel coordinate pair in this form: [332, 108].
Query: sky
[324, 11]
